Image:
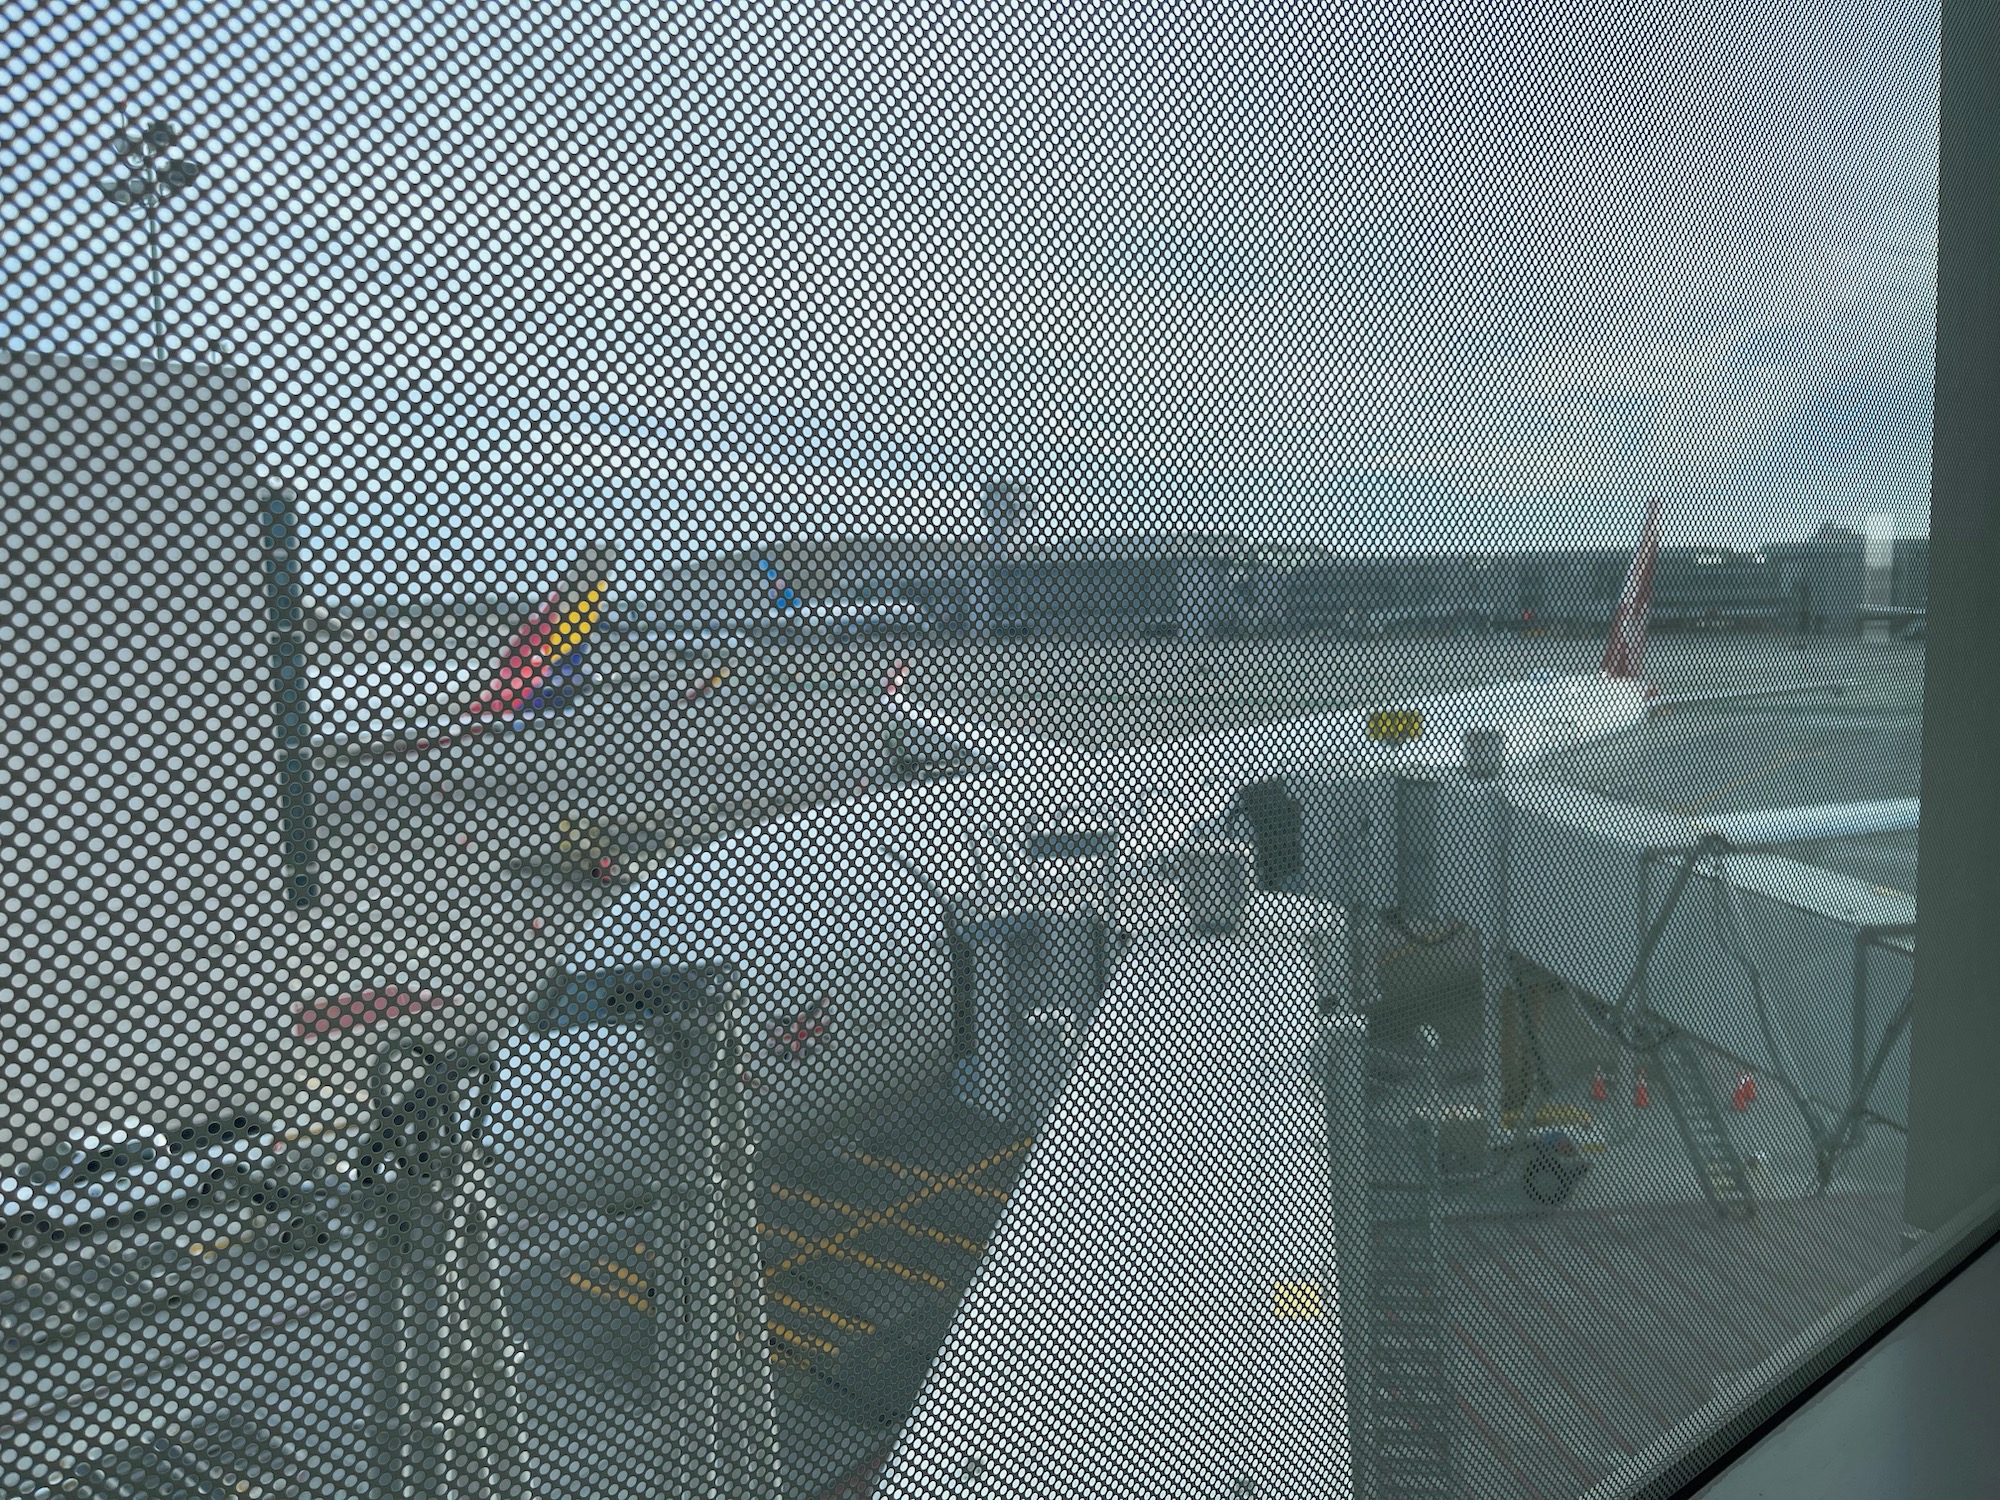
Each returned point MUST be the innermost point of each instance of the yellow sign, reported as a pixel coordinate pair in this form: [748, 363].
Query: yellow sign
[1395, 726]
[1295, 1299]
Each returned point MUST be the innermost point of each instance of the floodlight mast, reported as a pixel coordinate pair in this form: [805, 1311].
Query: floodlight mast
[152, 177]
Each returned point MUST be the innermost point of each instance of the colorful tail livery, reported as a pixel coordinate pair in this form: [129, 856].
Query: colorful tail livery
[544, 661]
[371, 710]
[1622, 653]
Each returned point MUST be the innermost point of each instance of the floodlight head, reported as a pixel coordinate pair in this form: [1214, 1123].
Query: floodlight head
[124, 191]
[179, 174]
[162, 134]
[128, 145]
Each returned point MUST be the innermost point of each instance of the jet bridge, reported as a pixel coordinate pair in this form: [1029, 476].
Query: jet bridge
[1210, 1139]
[1665, 922]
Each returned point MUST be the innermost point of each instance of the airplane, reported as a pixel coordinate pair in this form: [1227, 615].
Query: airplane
[1533, 719]
[1778, 827]
[1914, 618]
[541, 669]
[789, 610]
[838, 921]
[789, 981]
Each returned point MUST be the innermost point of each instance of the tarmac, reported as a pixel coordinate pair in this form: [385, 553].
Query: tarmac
[1577, 1328]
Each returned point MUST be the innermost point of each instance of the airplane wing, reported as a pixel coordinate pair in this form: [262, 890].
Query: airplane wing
[921, 741]
[1811, 825]
[1658, 705]
[370, 706]
[376, 739]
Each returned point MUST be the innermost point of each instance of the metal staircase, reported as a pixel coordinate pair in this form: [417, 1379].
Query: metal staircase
[1408, 1412]
[1704, 1129]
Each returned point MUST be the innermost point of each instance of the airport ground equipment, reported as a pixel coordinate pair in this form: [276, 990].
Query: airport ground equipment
[1704, 1129]
[1275, 820]
[1034, 976]
[229, 1244]
[623, 1163]
[198, 1250]
[440, 1352]
[1033, 928]
[1214, 880]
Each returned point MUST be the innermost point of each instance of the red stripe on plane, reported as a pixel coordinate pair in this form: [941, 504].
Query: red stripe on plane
[1622, 653]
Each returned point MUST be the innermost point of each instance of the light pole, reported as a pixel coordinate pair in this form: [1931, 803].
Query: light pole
[150, 178]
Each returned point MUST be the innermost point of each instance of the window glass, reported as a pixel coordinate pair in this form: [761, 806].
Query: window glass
[776, 750]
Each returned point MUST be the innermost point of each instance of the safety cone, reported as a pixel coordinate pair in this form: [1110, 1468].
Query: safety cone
[1640, 1098]
[1746, 1092]
[1597, 1089]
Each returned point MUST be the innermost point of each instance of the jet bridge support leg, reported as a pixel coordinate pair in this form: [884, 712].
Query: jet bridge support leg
[712, 1372]
[1496, 969]
[1490, 903]
[1485, 828]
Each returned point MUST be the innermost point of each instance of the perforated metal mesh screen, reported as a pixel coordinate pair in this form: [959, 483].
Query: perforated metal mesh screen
[758, 750]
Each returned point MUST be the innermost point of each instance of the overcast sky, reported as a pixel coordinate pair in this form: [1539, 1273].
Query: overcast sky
[1378, 277]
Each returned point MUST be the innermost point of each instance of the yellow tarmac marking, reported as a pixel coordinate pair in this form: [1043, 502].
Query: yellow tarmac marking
[616, 1293]
[896, 1268]
[779, 1231]
[845, 1325]
[974, 1188]
[813, 1200]
[924, 1231]
[637, 1291]
[834, 1205]
[932, 1187]
[844, 1252]
[803, 1340]
[630, 1278]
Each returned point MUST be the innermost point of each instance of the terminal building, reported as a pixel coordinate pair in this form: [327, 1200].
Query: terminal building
[1205, 586]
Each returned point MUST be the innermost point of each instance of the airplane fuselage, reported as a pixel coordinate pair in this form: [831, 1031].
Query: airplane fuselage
[836, 921]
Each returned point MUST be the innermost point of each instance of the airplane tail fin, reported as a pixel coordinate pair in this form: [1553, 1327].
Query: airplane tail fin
[540, 665]
[781, 592]
[1627, 645]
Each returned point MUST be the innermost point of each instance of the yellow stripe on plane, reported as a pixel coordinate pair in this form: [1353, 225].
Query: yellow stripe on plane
[577, 624]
